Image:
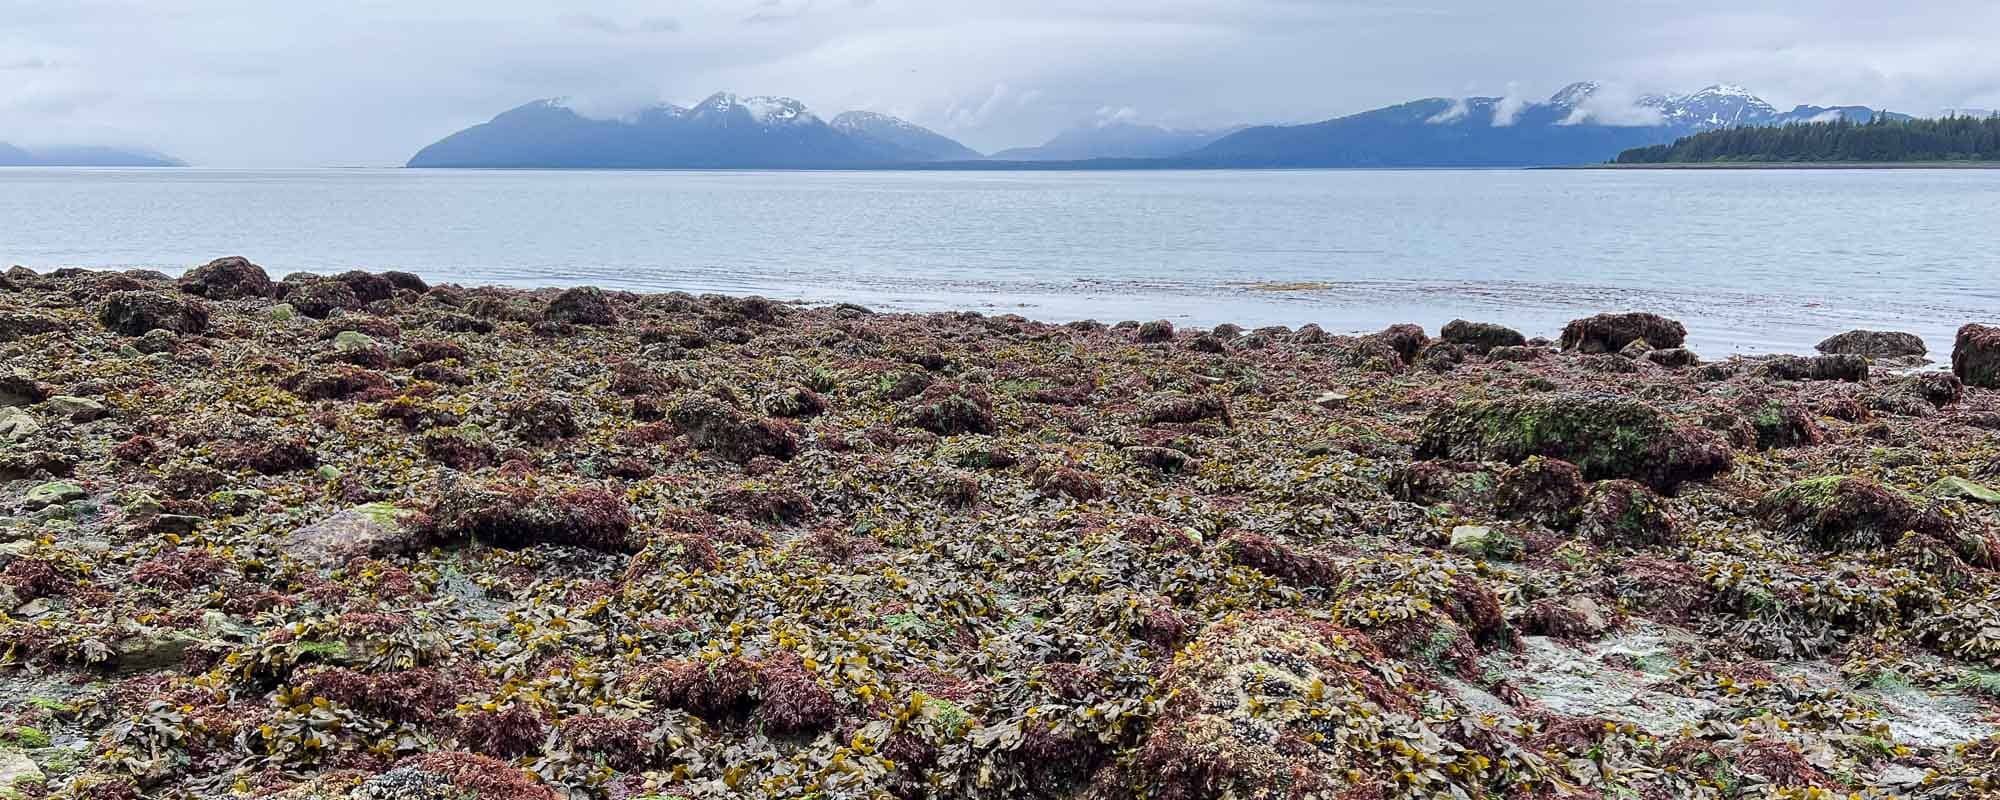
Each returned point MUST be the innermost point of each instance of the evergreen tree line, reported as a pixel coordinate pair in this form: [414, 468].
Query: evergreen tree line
[1946, 139]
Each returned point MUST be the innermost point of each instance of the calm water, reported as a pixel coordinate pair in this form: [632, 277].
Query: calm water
[1752, 261]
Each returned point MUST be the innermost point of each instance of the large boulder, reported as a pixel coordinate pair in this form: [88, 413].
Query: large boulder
[232, 278]
[1838, 512]
[1874, 344]
[1975, 357]
[133, 313]
[369, 531]
[1606, 437]
[321, 298]
[1481, 337]
[1610, 333]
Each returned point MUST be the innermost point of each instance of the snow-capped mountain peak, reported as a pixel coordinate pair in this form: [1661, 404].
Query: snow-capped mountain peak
[1574, 94]
[764, 110]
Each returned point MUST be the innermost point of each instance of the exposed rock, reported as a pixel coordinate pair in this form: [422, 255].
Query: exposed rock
[1485, 542]
[1975, 358]
[1405, 339]
[15, 325]
[1846, 513]
[17, 389]
[17, 424]
[1517, 353]
[1606, 437]
[352, 341]
[17, 770]
[582, 305]
[232, 278]
[371, 530]
[1481, 337]
[133, 313]
[1610, 333]
[1874, 344]
[76, 409]
[52, 493]
[1962, 488]
[144, 648]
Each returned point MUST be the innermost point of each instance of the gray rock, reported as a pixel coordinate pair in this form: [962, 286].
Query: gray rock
[370, 530]
[52, 493]
[76, 409]
[351, 341]
[145, 649]
[17, 425]
[17, 768]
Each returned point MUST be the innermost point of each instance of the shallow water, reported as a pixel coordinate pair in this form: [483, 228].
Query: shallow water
[1752, 261]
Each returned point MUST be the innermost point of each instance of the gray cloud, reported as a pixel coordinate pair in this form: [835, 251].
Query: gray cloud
[233, 82]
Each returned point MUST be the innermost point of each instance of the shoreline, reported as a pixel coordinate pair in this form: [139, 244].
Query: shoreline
[567, 542]
[1801, 165]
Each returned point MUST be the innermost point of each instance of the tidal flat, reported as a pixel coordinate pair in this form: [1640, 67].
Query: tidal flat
[360, 536]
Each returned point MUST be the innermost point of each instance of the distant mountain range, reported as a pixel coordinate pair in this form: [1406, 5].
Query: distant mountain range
[1578, 125]
[1583, 123]
[1117, 140]
[11, 156]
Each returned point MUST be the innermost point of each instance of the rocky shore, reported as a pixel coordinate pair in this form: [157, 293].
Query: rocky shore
[361, 537]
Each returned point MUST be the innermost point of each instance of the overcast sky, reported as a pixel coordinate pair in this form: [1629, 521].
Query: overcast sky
[238, 83]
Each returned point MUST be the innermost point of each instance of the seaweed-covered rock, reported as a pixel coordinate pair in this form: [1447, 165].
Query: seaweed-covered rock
[1673, 357]
[1851, 368]
[950, 409]
[133, 313]
[321, 298]
[1838, 512]
[1158, 330]
[1481, 337]
[1606, 437]
[1975, 357]
[1623, 513]
[1543, 490]
[1784, 423]
[730, 433]
[516, 516]
[1610, 333]
[1874, 344]
[1273, 705]
[232, 278]
[1406, 339]
[582, 305]
[1180, 408]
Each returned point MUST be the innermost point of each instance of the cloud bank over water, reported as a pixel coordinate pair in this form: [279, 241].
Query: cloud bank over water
[229, 82]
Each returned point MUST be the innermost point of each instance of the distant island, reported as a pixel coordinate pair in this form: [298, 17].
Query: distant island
[1880, 141]
[11, 156]
[1582, 124]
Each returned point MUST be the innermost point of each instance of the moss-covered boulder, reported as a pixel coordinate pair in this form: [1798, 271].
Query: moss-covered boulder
[1611, 333]
[1606, 437]
[1975, 356]
[1838, 512]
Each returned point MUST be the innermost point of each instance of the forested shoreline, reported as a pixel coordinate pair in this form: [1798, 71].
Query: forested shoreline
[1884, 140]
